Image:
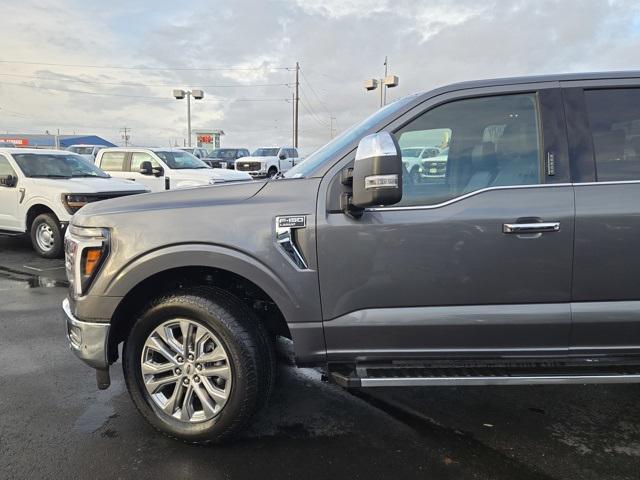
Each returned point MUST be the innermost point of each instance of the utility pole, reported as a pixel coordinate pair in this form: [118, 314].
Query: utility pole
[293, 119]
[125, 135]
[384, 101]
[295, 135]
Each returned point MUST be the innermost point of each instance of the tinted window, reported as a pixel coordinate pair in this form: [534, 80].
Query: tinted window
[614, 117]
[266, 152]
[470, 145]
[138, 157]
[5, 167]
[179, 160]
[112, 161]
[292, 153]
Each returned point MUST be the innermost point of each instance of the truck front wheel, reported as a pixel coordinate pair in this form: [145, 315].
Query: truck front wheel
[46, 236]
[197, 364]
[273, 171]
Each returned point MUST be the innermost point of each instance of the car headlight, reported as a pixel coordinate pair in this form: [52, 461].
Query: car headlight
[85, 252]
[73, 202]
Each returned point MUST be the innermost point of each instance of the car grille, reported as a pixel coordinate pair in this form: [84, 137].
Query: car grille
[439, 167]
[248, 166]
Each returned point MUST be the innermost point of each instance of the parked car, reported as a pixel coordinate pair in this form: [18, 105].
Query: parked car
[518, 267]
[199, 152]
[435, 166]
[163, 169]
[88, 152]
[225, 157]
[413, 157]
[268, 162]
[41, 189]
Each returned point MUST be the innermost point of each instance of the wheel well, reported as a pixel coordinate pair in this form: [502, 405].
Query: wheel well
[273, 167]
[179, 278]
[36, 210]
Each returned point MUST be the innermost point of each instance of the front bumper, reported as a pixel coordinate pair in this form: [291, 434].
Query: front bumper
[258, 174]
[87, 340]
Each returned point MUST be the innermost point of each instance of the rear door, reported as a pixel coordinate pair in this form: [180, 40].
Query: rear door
[604, 133]
[448, 269]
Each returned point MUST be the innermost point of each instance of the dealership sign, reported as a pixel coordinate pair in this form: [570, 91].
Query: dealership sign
[20, 142]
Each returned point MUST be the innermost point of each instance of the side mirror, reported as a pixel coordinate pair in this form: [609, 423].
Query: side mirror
[146, 168]
[377, 171]
[158, 171]
[8, 180]
[282, 156]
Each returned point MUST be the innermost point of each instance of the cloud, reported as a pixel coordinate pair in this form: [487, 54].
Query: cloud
[339, 43]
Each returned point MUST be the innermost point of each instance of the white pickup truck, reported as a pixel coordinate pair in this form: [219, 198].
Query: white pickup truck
[163, 168]
[40, 190]
[268, 162]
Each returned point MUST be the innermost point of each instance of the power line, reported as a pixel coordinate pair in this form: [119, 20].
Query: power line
[140, 97]
[313, 115]
[120, 67]
[90, 82]
[322, 104]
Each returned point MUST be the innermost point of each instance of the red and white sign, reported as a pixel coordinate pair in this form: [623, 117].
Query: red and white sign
[18, 142]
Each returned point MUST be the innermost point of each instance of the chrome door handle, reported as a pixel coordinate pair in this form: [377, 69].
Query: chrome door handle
[544, 227]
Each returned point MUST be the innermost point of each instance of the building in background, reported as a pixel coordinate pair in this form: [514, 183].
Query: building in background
[208, 139]
[52, 141]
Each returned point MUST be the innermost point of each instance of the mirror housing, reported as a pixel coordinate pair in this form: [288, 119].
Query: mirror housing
[8, 180]
[377, 171]
[146, 168]
[282, 156]
[158, 171]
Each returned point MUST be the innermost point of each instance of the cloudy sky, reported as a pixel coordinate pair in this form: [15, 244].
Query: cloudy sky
[94, 67]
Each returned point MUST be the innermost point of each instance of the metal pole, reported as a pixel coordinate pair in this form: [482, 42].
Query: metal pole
[381, 84]
[293, 118]
[384, 87]
[189, 117]
[295, 137]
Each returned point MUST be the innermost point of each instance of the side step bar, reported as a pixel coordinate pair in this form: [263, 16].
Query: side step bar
[358, 382]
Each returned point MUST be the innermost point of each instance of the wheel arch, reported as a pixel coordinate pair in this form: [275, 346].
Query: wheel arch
[181, 266]
[35, 210]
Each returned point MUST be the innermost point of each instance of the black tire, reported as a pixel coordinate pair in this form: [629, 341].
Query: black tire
[50, 221]
[246, 341]
[273, 171]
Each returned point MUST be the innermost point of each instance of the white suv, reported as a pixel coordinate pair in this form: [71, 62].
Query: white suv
[41, 189]
[268, 162]
[163, 169]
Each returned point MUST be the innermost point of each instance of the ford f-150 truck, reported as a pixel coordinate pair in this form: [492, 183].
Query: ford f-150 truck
[518, 265]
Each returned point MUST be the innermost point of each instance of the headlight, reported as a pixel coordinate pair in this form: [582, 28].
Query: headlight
[73, 202]
[85, 251]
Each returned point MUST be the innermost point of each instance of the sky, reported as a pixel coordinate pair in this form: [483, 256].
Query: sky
[90, 67]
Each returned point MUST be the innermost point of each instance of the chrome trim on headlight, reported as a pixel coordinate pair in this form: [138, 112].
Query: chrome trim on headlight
[76, 241]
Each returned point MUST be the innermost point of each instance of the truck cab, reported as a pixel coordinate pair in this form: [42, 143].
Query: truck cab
[514, 264]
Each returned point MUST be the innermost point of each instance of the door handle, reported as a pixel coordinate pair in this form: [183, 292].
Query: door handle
[520, 228]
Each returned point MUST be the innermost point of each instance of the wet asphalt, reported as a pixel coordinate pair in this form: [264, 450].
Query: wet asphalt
[54, 423]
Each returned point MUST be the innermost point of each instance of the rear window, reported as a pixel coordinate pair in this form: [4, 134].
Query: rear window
[614, 118]
[112, 161]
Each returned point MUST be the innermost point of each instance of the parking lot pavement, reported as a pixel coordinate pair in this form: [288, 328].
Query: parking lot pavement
[54, 423]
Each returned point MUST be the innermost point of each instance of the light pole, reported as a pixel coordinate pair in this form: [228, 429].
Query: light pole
[179, 95]
[389, 81]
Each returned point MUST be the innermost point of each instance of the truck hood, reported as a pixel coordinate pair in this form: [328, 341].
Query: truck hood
[256, 159]
[88, 185]
[204, 175]
[94, 214]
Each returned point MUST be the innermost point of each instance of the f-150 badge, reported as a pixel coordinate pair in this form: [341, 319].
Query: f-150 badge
[292, 221]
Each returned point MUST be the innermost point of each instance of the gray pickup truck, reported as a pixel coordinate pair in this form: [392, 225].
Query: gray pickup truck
[517, 264]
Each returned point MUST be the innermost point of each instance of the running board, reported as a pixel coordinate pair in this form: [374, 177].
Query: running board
[501, 372]
[356, 382]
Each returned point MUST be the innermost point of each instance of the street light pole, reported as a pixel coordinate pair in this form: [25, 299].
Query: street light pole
[388, 81]
[197, 95]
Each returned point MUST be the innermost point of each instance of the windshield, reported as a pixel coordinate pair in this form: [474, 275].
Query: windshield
[82, 150]
[179, 160]
[56, 165]
[327, 152]
[223, 153]
[265, 152]
[410, 152]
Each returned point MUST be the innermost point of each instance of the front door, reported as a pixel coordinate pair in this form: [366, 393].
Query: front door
[9, 197]
[476, 260]
[154, 182]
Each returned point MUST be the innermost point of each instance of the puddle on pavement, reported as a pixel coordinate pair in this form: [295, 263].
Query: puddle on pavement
[13, 279]
[100, 411]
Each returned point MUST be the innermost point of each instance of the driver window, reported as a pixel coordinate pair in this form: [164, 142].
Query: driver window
[5, 168]
[467, 145]
[138, 157]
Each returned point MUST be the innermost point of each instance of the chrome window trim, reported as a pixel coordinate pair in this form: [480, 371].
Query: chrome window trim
[490, 189]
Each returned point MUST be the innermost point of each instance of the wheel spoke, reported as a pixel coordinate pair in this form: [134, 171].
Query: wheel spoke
[222, 371]
[186, 409]
[216, 355]
[218, 395]
[155, 384]
[150, 368]
[207, 407]
[166, 334]
[155, 343]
